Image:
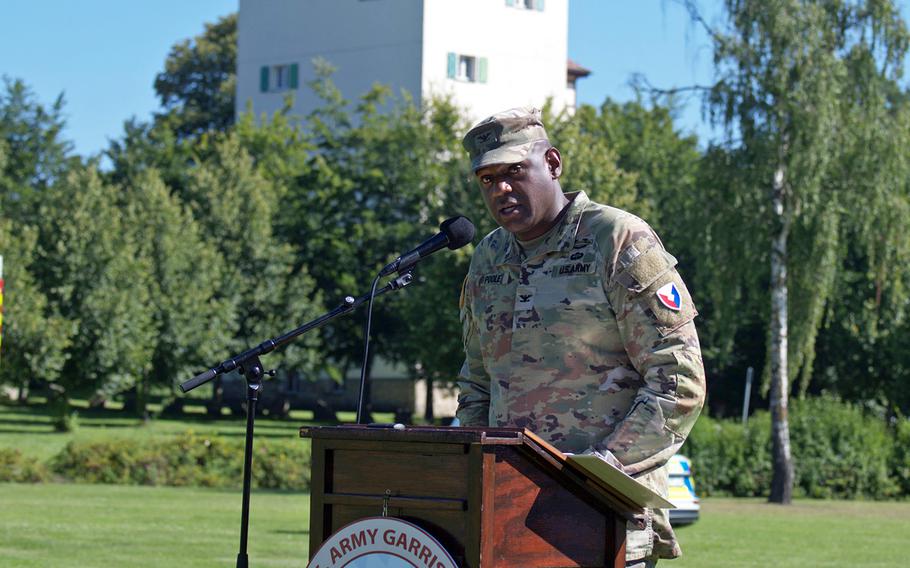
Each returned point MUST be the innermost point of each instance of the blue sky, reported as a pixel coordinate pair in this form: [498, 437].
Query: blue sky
[104, 54]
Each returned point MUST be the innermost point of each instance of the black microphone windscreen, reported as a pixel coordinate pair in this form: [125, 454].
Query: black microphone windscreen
[459, 230]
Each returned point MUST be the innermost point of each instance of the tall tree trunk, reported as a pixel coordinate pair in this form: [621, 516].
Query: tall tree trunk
[214, 404]
[368, 388]
[23, 392]
[143, 391]
[428, 413]
[782, 479]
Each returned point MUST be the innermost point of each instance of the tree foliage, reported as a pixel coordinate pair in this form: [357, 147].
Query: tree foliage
[35, 335]
[90, 268]
[33, 152]
[793, 78]
[197, 85]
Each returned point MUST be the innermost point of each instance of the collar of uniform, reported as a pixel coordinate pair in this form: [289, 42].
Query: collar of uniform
[563, 238]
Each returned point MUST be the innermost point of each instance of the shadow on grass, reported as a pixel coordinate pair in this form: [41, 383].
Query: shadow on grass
[4, 420]
[34, 416]
[42, 432]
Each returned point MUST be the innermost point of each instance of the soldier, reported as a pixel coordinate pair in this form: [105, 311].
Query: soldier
[576, 324]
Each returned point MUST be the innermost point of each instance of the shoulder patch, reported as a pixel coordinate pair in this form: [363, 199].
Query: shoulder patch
[668, 303]
[669, 296]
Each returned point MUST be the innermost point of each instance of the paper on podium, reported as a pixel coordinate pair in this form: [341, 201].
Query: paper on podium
[604, 474]
[612, 477]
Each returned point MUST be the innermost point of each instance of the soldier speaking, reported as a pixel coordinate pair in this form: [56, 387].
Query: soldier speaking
[576, 324]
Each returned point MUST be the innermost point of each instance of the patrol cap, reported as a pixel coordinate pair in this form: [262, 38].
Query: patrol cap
[504, 138]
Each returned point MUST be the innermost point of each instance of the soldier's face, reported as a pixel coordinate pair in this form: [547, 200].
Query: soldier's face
[524, 198]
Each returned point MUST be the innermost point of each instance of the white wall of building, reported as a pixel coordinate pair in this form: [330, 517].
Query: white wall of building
[406, 44]
[367, 41]
[526, 52]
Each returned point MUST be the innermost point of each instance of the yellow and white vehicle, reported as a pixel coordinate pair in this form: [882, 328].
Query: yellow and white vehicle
[682, 491]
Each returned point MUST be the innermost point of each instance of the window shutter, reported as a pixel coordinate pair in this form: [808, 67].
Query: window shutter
[482, 70]
[263, 79]
[540, 5]
[293, 76]
[450, 73]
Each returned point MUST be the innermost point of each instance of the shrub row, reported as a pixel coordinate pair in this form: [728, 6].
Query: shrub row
[839, 451]
[16, 467]
[184, 460]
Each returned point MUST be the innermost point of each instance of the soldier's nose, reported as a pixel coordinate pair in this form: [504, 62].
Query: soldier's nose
[502, 186]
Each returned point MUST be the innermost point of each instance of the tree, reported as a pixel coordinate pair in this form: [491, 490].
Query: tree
[89, 266]
[428, 337]
[191, 319]
[632, 156]
[590, 161]
[150, 146]
[261, 280]
[360, 194]
[862, 345]
[35, 152]
[197, 85]
[35, 336]
[33, 155]
[786, 93]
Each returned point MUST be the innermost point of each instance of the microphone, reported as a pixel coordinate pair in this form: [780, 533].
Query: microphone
[454, 233]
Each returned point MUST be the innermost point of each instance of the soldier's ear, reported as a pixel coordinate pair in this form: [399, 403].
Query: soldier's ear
[554, 162]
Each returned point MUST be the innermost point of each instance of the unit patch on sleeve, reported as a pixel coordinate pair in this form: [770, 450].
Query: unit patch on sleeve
[669, 296]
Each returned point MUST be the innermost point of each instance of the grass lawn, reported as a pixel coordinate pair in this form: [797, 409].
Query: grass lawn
[751, 532]
[64, 525]
[89, 526]
[60, 525]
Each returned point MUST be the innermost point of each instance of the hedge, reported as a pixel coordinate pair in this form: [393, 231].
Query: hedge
[839, 451]
[185, 460]
[16, 467]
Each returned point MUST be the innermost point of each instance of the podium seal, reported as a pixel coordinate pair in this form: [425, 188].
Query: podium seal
[381, 542]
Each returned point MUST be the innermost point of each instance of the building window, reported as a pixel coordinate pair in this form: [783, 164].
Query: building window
[526, 4]
[467, 68]
[281, 75]
[274, 78]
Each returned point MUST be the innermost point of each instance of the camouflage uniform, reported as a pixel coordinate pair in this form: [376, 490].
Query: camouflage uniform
[574, 344]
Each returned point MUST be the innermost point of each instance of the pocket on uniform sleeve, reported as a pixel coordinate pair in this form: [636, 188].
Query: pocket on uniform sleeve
[653, 282]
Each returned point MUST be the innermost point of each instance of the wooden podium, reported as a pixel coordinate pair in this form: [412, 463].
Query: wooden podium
[493, 497]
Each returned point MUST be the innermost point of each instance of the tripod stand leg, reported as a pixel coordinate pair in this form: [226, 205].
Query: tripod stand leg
[253, 372]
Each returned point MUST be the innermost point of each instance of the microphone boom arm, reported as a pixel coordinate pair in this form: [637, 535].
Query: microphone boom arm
[270, 345]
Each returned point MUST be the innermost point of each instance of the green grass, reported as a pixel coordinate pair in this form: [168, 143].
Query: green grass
[62, 525]
[29, 428]
[97, 525]
[751, 532]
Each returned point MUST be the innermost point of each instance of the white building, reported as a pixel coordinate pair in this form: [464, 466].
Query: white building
[488, 54]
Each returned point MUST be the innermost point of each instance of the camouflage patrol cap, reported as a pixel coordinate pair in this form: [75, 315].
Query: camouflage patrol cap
[504, 138]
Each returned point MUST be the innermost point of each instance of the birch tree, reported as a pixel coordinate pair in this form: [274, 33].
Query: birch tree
[790, 76]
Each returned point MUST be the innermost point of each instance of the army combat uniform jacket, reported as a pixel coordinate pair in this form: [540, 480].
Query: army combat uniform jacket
[590, 344]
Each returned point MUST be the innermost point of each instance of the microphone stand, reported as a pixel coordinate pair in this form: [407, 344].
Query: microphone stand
[250, 367]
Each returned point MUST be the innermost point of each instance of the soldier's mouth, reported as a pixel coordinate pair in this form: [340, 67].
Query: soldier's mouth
[509, 210]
